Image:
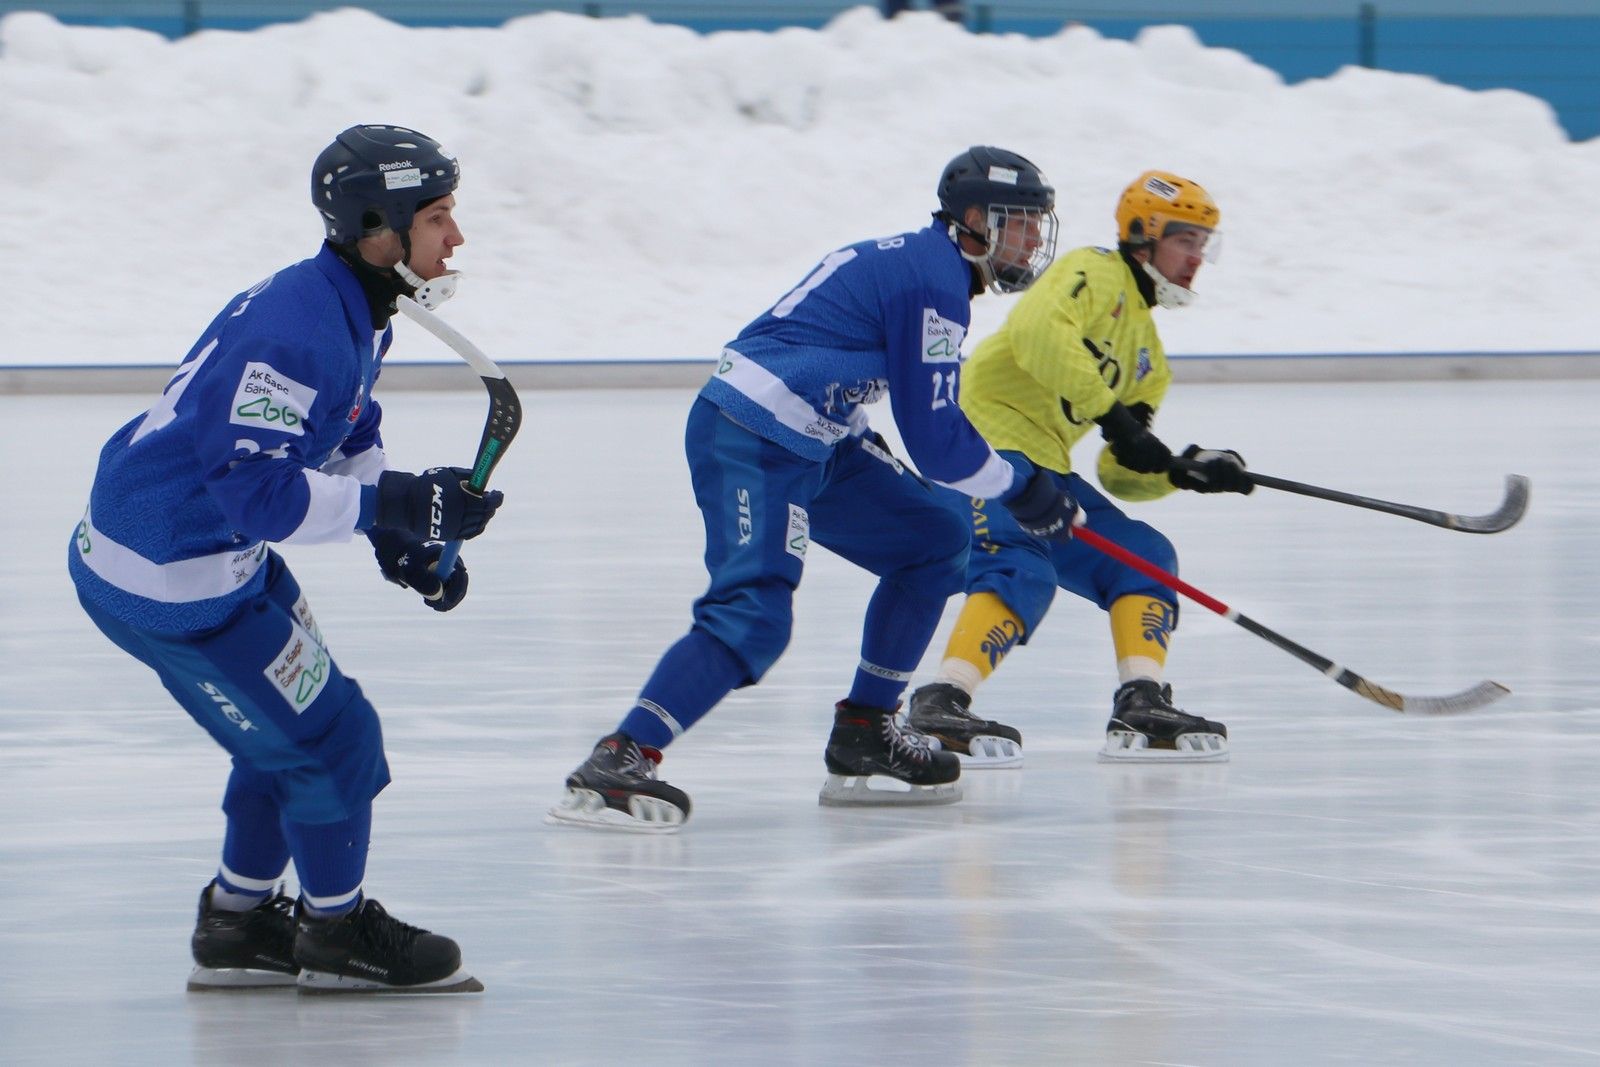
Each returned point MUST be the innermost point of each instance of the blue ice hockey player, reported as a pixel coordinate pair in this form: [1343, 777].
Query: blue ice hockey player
[268, 433]
[781, 456]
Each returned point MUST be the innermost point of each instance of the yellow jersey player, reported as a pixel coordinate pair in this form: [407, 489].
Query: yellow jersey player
[1079, 351]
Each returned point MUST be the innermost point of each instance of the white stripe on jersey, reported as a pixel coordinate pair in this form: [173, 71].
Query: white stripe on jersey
[769, 391]
[364, 467]
[331, 513]
[993, 480]
[179, 582]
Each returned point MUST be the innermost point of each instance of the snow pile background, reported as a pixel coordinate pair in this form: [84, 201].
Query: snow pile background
[637, 191]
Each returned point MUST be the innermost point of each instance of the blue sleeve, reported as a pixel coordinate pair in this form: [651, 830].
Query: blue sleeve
[364, 435]
[923, 350]
[255, 415]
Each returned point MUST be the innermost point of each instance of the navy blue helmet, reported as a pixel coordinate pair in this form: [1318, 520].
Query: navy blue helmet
[372, 177]
[984, 175]
[1018, 205]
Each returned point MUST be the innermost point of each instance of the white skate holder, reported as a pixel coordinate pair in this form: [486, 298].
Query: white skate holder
[857, 791]
[989, 753]
[1130, 746]
[645, 815]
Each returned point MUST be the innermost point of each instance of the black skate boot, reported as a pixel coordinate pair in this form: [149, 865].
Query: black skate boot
[943, 711]
[870, 741]
[367, 950]
[1145, 726]
[617, 789]
[243, 949]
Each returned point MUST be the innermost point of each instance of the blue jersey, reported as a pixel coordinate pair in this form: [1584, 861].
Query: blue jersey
[265, 434]
[877, 317]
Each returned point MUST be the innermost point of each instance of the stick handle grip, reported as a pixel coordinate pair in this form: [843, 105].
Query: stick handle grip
[447, 562]
[452, 549]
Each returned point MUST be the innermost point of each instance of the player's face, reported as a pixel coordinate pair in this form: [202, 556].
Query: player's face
[434, 238]
[1023, 243]
[1178, 255]
[1017, 237]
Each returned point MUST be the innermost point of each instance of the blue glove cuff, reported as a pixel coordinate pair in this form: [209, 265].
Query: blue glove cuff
[369, 508]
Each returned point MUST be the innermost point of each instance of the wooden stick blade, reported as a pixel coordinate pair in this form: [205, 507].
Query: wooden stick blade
[1454, 704]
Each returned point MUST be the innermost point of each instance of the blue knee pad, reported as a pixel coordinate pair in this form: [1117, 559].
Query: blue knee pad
[1103, 580]
[940, 572]
[754, 620]
[1005, 560]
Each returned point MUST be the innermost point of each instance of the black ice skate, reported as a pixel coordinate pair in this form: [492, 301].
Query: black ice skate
[870, 742]
[617, 789]
[367, 950]
[243, 949]
[1145, 726]
[942, 711]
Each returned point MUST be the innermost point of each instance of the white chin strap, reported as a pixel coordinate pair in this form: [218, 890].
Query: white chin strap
[1168, 294]
[430, 294]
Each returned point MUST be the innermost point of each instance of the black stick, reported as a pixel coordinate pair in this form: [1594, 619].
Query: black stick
[1502, 518]
[502, 424]
[1466, 700]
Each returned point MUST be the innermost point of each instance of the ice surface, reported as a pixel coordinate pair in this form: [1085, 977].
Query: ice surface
[1356, 886]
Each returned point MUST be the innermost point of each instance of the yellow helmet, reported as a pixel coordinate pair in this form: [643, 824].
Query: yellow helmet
[1156, 200]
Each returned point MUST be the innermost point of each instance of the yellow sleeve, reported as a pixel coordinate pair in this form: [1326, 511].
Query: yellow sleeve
[1128, 485]
[1118, 480]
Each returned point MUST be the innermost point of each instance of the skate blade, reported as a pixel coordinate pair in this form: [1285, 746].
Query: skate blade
[855, 791]
[319, 983]
[236, 980]
[645, 815]
[988, 753]
[1128, 746]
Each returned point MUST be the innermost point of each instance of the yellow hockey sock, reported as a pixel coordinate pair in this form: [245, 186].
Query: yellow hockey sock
[1141, 627]
[985, 631]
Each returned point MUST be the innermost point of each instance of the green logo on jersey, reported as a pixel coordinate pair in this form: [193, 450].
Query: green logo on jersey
[942, 350]
[82, 534]
[262, 408]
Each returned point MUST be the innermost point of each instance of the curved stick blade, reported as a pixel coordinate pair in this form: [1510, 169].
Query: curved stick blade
[1454, 704]
[1510, 511]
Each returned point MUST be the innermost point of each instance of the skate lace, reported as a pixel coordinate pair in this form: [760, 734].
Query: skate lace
[906, 744]
[635, 763]
[384, 932]
[278, 910]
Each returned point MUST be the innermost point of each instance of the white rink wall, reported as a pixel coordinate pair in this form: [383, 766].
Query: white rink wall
[634, 191]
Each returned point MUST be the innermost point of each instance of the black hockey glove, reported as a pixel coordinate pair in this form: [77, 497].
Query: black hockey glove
[1132, 443]
[1205, 470]
[1044, 509]
[410, 565]
[434, 505]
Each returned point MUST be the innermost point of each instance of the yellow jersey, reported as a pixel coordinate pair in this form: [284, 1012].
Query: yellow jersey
[1080, 339]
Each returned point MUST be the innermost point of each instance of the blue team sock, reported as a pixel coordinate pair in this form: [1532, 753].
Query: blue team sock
[331, 860]
[691, 678]
[254, 853]
[900, 622]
